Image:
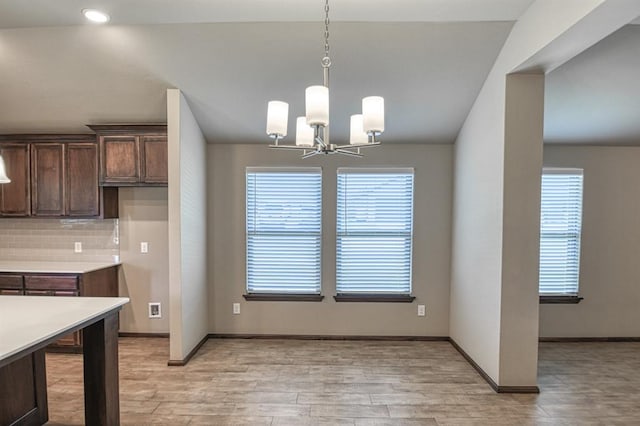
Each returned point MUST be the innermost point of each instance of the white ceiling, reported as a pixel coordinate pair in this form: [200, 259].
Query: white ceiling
[428, 58]
[595, 97]
[39, 13]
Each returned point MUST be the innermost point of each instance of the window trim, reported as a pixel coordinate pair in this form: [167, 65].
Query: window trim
[374, 297]
[548, 299]
[282, 297]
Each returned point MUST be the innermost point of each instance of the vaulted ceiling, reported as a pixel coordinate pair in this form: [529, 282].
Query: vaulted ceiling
[428, 58]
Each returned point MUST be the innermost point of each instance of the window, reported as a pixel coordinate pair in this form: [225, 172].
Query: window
[284, 230]
[374, 231]
[560, 227]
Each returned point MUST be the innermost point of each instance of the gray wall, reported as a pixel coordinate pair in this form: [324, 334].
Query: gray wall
[144, 278]
[431, 250]
[609, 266]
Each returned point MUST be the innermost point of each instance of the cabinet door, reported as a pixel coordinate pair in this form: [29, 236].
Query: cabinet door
[82, 180]
[47, 179]
[51, 282]
[119, 159]
[15, 197]
[154, 152]
[11, 284]
[72, 339]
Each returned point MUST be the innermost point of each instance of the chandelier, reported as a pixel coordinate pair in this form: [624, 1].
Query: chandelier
[312, 130]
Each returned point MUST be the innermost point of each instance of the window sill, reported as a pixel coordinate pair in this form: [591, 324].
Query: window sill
[273, 297]
[385, 298]
[565, 300]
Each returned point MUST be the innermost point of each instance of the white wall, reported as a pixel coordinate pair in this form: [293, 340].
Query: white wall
[431, 250]
[609, 266]
[144, 278]
[187, 228]
[494, 310]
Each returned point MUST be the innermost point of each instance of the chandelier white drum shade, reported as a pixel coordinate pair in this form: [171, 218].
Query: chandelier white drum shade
[317, 105]
[373, 114]
[312, 130]
[304, 132]
[357, 134]
[277, 116]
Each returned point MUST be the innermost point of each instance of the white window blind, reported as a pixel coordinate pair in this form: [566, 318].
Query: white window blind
[374, 231]
[560, 228]
[284, 209]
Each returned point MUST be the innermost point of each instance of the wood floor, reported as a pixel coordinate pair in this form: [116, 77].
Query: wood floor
[297, 382]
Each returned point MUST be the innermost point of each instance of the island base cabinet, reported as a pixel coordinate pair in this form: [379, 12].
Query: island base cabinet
[24, 400]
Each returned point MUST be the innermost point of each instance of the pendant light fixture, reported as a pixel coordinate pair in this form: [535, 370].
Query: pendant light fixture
[3, 172]
[312, 130]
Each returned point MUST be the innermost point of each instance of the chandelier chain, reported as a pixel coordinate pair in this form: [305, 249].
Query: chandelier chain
[326, 28]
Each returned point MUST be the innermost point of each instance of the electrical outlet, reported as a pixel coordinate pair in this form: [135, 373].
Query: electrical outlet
[77, 247]
[236, 308]
[144, 247]
[155, 310]
[421, 310]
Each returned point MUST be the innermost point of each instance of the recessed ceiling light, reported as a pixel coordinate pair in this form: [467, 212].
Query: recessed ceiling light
[96, 16]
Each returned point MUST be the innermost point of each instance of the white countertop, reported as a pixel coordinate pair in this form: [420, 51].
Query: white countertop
[53, 267]
[27, 321]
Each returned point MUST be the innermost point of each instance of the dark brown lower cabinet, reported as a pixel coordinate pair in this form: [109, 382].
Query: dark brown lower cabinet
[98, 283]
[11, 284]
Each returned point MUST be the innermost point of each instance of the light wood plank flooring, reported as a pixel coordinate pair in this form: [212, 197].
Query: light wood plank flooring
[297, 382]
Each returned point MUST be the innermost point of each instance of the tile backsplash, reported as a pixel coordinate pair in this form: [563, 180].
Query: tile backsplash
[54, 240]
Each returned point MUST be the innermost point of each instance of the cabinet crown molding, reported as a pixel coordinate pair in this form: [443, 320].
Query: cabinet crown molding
[47, 137]
[128, 129]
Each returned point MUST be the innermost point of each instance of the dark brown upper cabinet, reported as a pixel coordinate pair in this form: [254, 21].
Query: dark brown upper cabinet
[48, 179]
[132, 155]
[58, 174]
[155, 165]
[82, 167]
[15, 197]
[120, 159]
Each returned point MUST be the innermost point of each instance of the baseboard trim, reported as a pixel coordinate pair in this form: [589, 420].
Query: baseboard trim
[136, 334]
[183, 362]
[328, 337]
[588, 339]
[489, 380]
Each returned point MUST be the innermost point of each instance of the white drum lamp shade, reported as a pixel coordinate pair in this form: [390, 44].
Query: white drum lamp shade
[304, 132]
[373, 114]
[277, 117]
[357, 134]
[3, 172]
[317, 105]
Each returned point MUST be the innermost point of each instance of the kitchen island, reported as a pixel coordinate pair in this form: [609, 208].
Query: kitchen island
[67, 279]
[27, 325]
